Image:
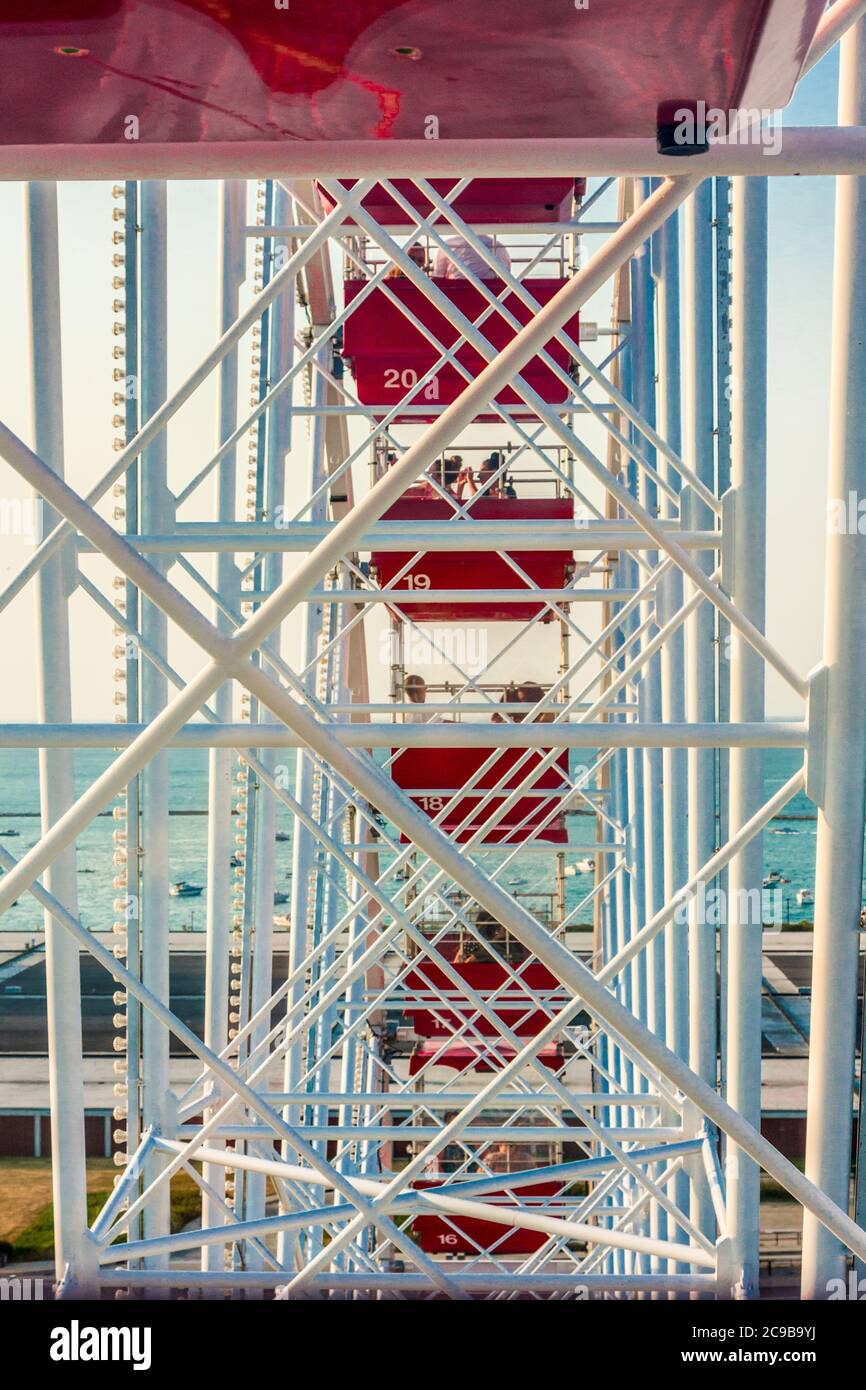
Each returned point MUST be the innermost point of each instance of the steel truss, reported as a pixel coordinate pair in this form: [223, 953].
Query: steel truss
[619, 1137]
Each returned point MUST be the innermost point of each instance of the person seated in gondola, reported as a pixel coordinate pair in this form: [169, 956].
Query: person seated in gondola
[491, 931]
[527, 693]
[415, 691]
[453, 1158]
[486, 927]
[416, 254]
[490, 481]
[450, 265]
[450, 475]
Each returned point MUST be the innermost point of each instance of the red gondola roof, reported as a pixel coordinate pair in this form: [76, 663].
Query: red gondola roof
[240, 70]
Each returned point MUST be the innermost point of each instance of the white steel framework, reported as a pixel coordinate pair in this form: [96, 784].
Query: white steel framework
[576, 1112]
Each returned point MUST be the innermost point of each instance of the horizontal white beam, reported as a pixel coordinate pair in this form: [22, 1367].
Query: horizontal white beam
[456, 596]
[543, 230]
[390, 536]
[472, 1134]
[440, 733]
[402, 1283]
[805, 150]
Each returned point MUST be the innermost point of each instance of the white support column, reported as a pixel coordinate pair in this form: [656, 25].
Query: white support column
[839, 859]
[669, 601]
[56, 785]
[155, 513]
[669, 598]
[303, 841]
[281, 332]
[700, 699]
[221, 760]
[746, 778]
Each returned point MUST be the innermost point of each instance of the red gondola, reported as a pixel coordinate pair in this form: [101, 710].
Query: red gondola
[436, 1022]
[491, 202]
[442, 768]
[389, 355]
[514, 1007]
[477, 571]
[463, 1235]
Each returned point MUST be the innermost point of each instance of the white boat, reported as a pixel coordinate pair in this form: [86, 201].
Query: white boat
[182, 889]
[580, 866]
[805, 895]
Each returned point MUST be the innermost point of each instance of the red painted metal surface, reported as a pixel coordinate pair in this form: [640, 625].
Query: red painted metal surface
[515, 1007]
[461, 1056]
[389, 355]
[462, 1235]
[485, 201]
[241, 70]
[442, 768]
[477, 571]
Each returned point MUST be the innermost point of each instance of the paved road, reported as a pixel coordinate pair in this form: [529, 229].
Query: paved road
[23, 1012]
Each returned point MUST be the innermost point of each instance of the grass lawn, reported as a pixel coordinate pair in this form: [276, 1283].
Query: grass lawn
[26, 1210]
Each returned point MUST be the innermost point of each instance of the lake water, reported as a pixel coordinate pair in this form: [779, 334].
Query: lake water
[789, 845]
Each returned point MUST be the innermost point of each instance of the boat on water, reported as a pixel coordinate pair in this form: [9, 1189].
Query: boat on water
[805, 895]
[773, 879]
[10, 834]
[182, 889]
[280, 897]
[282, 836]
[580, 866]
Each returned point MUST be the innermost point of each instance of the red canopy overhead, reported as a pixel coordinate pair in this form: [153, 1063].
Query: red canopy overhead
[240, 70]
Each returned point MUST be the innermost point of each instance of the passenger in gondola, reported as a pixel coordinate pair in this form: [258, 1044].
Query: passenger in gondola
[527, 693]
[499, 484]
[496, 1157]
[451, 266]
[453, 1158]
[415, 691]
[450, 475]
[418, 255]
[508, 697]
[490, 931]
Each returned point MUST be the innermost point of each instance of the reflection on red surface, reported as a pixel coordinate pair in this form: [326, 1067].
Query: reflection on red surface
[238, 70]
